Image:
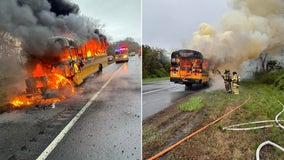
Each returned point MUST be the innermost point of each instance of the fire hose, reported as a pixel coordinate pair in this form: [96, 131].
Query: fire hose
[233, 128]
[198, 131]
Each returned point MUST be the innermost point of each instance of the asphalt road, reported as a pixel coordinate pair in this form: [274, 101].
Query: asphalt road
[109, 129]
[157, 96]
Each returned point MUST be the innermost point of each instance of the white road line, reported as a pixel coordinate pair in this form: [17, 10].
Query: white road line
[156, 90]
[60, 136]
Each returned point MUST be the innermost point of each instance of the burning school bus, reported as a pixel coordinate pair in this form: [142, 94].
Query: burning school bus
[52, 76]
[189, 67]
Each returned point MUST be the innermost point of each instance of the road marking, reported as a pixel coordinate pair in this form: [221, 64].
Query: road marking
[60, 136]
[157, 90]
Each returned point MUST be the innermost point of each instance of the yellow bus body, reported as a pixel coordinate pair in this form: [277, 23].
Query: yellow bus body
[90, 68]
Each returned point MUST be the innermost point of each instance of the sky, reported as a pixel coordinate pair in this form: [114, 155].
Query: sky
[121, 18]
[167, 24]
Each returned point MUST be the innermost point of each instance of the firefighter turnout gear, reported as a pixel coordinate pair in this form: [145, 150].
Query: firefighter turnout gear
[235, 83]
[227, 80]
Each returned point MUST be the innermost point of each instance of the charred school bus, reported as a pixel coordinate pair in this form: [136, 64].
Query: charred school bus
[189, 67]
[67, 63]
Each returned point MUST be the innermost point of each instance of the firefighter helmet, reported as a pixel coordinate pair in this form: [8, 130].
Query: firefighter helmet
[227, 70]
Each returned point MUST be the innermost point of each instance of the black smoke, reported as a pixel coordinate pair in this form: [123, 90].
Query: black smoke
[35, 21]
[63, 7]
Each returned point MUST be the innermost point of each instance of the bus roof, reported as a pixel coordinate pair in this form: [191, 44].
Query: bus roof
[63, 41]
[187, 53]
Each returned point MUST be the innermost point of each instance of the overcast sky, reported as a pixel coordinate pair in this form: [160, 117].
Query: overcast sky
[122, 18]
[167, 23]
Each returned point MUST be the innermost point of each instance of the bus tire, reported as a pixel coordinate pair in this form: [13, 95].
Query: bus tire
[100, 68]
[188, 86]
[206, 84]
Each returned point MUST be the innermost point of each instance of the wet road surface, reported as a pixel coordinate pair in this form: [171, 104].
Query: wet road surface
[109, 129]
[157, 96]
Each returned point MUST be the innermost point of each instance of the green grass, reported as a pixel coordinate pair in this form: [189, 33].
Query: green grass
[194, 104]
[263, 102]
[145, 80]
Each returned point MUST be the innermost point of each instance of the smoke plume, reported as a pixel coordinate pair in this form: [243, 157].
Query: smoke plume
[63, 7]
[247, 29]
[34, 21]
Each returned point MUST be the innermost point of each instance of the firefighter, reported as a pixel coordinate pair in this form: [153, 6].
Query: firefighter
[235, 83]
[227, 79]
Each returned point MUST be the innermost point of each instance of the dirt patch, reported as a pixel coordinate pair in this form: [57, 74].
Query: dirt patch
[167, 127]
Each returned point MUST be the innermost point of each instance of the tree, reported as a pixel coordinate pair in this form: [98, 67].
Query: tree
[154, 64]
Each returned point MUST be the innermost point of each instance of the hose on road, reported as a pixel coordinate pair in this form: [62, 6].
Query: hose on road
[198, 131]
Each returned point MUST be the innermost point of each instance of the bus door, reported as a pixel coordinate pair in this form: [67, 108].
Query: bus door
[175, 69]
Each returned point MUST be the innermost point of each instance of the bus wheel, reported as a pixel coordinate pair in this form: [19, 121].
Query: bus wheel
[100, 68]
[206, 84]
[188, 86]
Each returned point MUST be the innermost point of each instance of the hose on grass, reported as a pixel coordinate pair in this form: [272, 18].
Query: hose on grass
[234, 127]
[276, 120]
[278, 124]
[266, 143]
[276, 117]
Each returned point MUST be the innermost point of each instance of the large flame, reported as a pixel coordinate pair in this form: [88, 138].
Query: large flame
[55, 81]
[23, 100]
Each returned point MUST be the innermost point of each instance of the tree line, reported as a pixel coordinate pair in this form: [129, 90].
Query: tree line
[155, 62]
[129, 42]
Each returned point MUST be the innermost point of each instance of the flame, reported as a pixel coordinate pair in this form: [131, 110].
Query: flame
[61, 81]
[89, 54]
[21, 101]
[54, 81]
[39, 84]
[38, 71]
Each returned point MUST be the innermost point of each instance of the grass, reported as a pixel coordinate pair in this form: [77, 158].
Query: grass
[194, 104]
[146, 80]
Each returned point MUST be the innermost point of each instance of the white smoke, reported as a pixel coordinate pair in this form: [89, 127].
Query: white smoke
[247, 29]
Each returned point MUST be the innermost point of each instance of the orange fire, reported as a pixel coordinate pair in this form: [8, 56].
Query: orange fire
[54, 81]
[21, 101]
[38, 71]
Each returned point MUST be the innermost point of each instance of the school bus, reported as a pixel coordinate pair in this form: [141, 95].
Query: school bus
[189, 67]
[68, 63]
